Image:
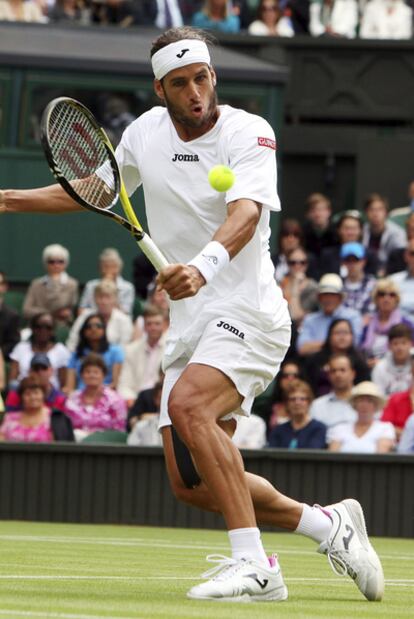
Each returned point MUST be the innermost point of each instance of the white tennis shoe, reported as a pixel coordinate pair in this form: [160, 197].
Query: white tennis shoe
[241, 581]
[349, 550]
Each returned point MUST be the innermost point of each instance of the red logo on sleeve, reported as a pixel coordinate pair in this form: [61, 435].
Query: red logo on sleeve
[267, 142]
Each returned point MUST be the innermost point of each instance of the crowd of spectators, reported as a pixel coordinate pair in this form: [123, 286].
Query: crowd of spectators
[367, 19]
[76, 364]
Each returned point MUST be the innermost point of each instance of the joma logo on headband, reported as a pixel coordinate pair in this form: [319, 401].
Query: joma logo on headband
[183, 51]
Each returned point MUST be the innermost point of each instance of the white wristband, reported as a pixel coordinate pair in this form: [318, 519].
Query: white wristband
[212, 258]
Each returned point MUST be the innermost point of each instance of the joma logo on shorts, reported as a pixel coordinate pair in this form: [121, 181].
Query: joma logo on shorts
[227, 327]
[178, 157]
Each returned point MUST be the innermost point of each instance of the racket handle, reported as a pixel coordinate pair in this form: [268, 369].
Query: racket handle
[154, 255]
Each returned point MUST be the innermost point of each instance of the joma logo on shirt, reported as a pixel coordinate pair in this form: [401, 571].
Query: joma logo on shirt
[227, 327]
[178, 157]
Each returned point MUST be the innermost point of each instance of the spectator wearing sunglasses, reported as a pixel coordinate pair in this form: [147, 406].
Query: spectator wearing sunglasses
[56, 292]
[290, 237]
[271, 21]
[300, 291]
[92, 339]
[405, 280]
[42, 340]
[374, 342]
[289, 370]
[358, 285]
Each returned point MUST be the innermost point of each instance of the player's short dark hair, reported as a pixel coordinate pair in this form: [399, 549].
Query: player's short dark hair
[400, 330]
[178, 34]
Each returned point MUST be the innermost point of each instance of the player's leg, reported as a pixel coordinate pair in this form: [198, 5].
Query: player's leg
[200, 397]
[338, 529]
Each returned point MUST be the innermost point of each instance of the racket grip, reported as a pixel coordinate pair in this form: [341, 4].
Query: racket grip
[154, 255]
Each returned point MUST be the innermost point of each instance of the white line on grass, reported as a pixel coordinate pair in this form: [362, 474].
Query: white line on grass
[158, 543]
[404, 582]
[56, 615]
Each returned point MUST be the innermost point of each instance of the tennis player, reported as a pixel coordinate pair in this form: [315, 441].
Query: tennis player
[230, 327]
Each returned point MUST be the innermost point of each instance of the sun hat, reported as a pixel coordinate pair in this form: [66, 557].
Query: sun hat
[330, 283]
[367, 388]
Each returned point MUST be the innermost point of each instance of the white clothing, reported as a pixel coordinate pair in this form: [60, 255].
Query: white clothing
[145, 433]
[250, 432]
[118, 330]
[351, 443]
[332, 411]
[342, 18]
[386, 19]
[30, 12]
[177, 18]
[391, 378]
[58, 356]
[405, 283]
[184, 212]
[251, 361]
[141, 367]
[284, 28]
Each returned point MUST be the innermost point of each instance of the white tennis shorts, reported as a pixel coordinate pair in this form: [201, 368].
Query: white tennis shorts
[249, 357]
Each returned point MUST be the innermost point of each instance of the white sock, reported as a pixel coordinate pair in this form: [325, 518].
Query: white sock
[314, 523]
[247, 544]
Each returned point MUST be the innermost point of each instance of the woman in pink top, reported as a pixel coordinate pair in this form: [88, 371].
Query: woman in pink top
[33, 422]
[96, 407]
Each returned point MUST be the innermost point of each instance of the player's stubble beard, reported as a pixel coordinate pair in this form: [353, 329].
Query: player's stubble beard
[208, 120]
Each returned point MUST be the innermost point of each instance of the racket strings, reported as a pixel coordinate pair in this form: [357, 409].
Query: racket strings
[81, 156]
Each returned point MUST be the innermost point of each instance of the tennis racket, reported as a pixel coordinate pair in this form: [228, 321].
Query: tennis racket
[82, 160]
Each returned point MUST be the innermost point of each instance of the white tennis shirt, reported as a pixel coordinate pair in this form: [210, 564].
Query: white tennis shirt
[184, 212]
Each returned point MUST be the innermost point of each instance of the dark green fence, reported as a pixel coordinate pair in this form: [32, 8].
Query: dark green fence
[108, 484]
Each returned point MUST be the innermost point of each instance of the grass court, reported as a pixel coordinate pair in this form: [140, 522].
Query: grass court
[59, 571]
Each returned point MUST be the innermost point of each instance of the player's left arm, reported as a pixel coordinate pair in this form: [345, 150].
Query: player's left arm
[185, 280]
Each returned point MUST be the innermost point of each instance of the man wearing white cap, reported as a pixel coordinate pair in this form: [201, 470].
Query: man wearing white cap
[230, 327]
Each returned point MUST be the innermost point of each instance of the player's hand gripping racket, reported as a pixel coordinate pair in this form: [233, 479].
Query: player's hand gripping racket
[82, 160]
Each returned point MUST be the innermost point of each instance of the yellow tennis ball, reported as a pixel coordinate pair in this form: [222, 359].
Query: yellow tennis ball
[221, 178]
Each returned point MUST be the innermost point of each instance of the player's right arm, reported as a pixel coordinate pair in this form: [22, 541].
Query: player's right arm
[51, 199]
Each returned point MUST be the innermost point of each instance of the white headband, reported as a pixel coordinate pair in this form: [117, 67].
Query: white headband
[179, 54]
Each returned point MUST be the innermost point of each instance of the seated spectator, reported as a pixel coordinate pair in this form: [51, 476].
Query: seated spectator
[405, 280]
[56, 292]
[92, 338]
[340, 340]
[314, 328]
[68, 11]
[95, 406]
[400, 405]
[217, 15]
[271, 21]
[299, 15]
[250, 432]
[290, 237]
[147, 403]
[396, 260]
[2, 376]
[348, 230]
[300, 291]
[334, 407]
[143, 357]
[9, 321]
[118, 325]
[386, 19]
[367, 434]
[379, 234]
[20, 11]
[42, 371]
[338, 18]
[387, 313]
[110, 267]
[358, 285]
[289, 371]
[318, 229]
[160, 299]
[393, 373]
[42, 340]
[35, 422]
[406, 444]
[301, 431]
